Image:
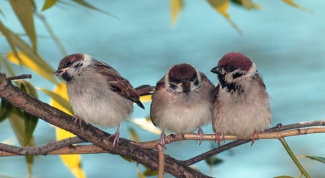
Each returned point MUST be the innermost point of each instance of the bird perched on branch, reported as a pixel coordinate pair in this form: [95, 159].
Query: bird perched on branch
[182, 101]
[241, 105]
[98, 94]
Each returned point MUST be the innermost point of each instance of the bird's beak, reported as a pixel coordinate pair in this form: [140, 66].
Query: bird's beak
[186, 86]
[216, 70]
[59, 72]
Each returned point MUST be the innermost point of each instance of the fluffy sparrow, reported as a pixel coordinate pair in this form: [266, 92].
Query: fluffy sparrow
[182, 101]
[241, 105]
[98, 94]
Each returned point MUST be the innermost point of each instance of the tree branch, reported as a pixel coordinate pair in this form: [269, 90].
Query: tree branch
[23, 76]
[90, 133]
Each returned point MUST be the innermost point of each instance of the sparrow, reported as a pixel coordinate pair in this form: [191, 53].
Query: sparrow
[182, 101]
[98, 94]
[241, 105]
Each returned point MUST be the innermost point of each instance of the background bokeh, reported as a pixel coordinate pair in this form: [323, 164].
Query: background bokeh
[287, 45]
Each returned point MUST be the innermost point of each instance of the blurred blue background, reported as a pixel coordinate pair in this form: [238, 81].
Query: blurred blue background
[286, 44]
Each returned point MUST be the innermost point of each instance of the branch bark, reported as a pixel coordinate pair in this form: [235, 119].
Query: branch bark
[89, 133]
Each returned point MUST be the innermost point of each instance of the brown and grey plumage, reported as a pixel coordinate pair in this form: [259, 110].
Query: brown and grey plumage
[241, 105]
[182, 101]
[98, 93]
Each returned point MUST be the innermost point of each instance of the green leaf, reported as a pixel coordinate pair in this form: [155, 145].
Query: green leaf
[284, 177]
[30, 120]
[8, 34]
[248, 4]
[320, 159]
[48, 4]
[16, 118]
[30, 161]
[293, 4]
[175, 7]
[222, 6]
[5, 109]
[10, 70]
[150, 172]
[24, 11]
[213, 160]
[89, 6]
[65, 103]
[28, 51]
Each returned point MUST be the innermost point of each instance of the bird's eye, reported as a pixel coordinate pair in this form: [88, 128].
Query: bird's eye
[68, 64]
[229, 68]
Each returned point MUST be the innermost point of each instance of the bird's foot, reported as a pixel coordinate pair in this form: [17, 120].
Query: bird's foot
[199, 136]
[163, 139]
[77, 119]
[254, 137]
[218, 138]
[116, 136]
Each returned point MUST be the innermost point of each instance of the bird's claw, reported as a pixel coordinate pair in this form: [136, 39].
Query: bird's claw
[254, 137]
[218, 138]
[77, 119]
[199, 136]
[163, 139]
[116, 136]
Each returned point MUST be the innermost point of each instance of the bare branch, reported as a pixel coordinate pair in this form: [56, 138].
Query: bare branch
[23, 76]
[265, 135]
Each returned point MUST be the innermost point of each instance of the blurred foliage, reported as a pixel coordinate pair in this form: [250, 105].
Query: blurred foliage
[316, 158]
[25, 54]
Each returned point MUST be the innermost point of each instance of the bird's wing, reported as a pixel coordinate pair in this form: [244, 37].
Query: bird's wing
[118, 84]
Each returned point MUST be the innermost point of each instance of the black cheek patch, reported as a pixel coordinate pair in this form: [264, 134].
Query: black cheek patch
[238, 74]
[172, 86]
[66, 77]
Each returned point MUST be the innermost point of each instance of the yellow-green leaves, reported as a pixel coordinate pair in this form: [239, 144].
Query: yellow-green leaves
[89, 6]
[48, 4]
[63, 102]
[30, 120]
[316, 158]
[292, 3]
[24, 123]
[5, 109]
[24, 11]
[222, 6]
[175, 7]
[37, 64]
[248, 4]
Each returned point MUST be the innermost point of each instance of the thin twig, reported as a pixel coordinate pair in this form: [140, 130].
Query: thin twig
[161, 163]
[43, 150]
[264, 135]
[92, 149]
[293, 157]
[230, 145]
[23, 76]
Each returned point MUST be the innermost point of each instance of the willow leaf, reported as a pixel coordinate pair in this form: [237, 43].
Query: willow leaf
[30, 120]
[175, 7]
[48, 4]
[24, 11]
[222, 6]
